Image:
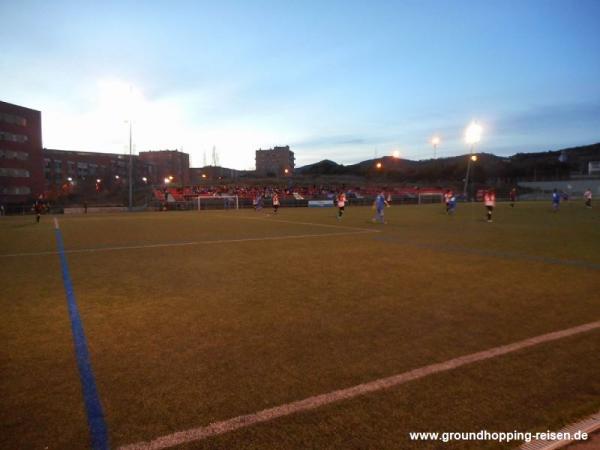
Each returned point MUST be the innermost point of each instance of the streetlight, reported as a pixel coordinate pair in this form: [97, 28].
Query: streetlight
[472, 137]
[378, 165]
[167, 180]
[435, 141]
[286, 171]
[144, 179]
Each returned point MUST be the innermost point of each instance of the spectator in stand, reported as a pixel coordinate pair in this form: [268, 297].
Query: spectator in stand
[587, 195]
[489, 199]
[513, 197]
[555, 200]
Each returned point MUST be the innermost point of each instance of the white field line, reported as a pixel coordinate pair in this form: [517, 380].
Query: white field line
[302, 223]
[180, 244]
[56, 226]
[587, 425]
[310, 403]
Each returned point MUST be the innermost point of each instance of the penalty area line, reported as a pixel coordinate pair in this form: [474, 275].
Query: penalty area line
[317, 401]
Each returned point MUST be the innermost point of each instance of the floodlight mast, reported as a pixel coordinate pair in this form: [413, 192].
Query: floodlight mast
[130, 168]
[435, 141]
[472, 137]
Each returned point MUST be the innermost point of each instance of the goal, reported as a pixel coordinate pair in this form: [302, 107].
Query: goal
[204, 202]
[430, 197]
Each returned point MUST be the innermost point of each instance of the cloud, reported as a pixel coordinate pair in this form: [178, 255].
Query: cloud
[331, 141]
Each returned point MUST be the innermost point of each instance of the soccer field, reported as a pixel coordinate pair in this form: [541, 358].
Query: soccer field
[196, 318]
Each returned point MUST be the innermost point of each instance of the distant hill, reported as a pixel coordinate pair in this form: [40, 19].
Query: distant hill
[325, 167]
[555, 164]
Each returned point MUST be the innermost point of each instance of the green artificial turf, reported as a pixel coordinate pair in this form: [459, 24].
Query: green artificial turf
[215, 324]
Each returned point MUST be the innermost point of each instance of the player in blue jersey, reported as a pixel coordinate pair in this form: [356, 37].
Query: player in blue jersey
[379, 204]
[451, 204]
[555, 200]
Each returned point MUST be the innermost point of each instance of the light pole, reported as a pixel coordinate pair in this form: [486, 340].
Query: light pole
[472, 137]
[130, 167]
[435, 141]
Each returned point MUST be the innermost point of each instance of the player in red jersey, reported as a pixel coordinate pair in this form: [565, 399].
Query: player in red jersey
[489, 200]
[341, 204]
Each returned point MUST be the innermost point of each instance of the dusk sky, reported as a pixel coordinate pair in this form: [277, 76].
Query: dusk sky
[342, 80]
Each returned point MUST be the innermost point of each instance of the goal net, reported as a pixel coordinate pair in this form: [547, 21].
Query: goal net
[430, 197]
[204, 202]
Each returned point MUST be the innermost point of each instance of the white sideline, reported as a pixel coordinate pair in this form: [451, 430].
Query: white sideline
[179, 244]
[225, 426]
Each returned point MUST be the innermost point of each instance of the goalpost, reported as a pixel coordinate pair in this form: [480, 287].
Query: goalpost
[430, 197]
[217, 202]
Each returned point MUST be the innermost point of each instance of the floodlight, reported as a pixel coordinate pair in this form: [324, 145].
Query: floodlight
[473, 133]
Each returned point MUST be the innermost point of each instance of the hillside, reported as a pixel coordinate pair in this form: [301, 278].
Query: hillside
[487, 168]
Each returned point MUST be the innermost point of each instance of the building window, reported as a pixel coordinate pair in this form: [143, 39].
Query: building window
[57, 165]
[11, 154]
[14, 173]
[82, 169]
[11, 118]
[12, 137]
[21, 190]
[70, 167]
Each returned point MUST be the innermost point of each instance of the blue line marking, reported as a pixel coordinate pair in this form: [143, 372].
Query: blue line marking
[93, 407]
